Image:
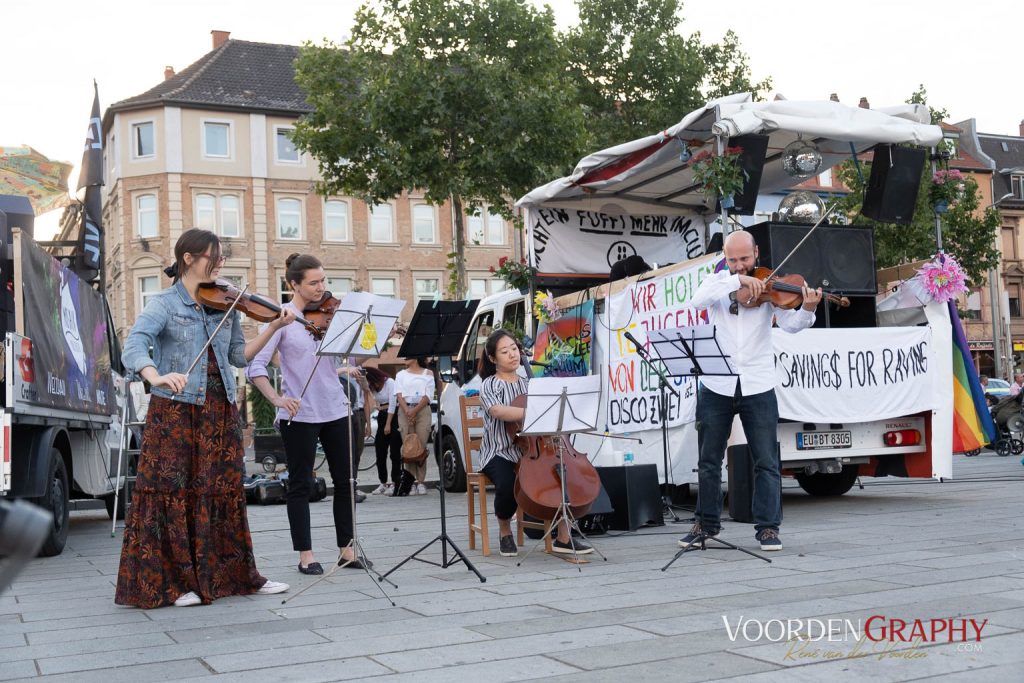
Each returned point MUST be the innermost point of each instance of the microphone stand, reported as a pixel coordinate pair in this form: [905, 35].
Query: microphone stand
[667, 507]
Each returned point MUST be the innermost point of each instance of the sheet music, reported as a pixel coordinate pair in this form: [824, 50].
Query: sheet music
[353, 332]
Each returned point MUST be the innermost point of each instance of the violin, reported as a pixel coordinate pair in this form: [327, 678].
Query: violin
[221, 294]
[785, 291]
[321, 313]
[538, 487]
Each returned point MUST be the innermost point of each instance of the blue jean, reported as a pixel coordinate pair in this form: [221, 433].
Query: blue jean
[759, 415]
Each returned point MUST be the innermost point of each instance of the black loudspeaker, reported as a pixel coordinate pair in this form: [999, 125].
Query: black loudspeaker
[891, 194]
[840, 259]
[752, 162]
[741, 483]
[860, 313]
[635, 495]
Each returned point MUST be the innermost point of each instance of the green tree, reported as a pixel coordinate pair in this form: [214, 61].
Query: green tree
[466, 100]
[636, 73]
[967, 234]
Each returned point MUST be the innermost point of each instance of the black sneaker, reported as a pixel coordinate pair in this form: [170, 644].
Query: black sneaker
[694, 537]
[507, 546]
[567, 547]
[769, 539]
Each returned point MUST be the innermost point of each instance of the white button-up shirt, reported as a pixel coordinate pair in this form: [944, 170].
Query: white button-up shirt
[746, 338]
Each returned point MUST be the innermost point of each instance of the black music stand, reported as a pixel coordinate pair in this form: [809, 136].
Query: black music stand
[694, 352]
[437, 329]
[668, 509]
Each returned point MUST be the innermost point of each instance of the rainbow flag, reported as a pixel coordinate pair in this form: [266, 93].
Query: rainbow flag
[972, 422]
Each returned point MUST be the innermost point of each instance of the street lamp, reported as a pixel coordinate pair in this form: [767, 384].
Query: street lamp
[993, 295]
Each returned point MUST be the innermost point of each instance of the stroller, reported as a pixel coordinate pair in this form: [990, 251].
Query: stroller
[1009, 420]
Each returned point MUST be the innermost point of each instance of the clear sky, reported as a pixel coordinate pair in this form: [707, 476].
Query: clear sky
[964, 53]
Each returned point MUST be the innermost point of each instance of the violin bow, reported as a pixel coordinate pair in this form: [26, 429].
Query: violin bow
[793, 250]
[209, 339]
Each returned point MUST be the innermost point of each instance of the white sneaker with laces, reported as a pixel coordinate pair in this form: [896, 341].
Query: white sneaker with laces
[379, 490]
[421, 489]
[187, 600]
[272, 587]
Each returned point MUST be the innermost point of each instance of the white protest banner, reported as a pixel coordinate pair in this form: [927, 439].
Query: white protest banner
[860, 375]
[577, 241]
[657, 304]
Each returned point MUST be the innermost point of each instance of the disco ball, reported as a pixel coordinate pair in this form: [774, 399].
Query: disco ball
[803, 206]
[801, 159]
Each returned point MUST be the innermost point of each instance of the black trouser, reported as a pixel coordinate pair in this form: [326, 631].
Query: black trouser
[502, 474]
[358, 437]
[383, 443]
[300, 449]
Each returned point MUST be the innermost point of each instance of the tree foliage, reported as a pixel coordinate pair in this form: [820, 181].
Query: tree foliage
[968, 232]
[465, 100]
[636, 73]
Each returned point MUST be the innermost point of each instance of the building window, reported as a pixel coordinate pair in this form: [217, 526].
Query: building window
[219, 213]
[423, 224]
[336, 221]
[148, 286]
[1013, 294]
[143, 144]
[289, 219]
[217, 139]
[381, 223]
[285, 293]
[146, 215]
[825, 178]
[1009, 243]
[479, 287]
[284, 148]
[382, 286]
[487, 228]
[1017, 186]
[426, 288]
[338, 285]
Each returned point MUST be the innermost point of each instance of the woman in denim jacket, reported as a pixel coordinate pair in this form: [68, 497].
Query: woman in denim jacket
[186, 538]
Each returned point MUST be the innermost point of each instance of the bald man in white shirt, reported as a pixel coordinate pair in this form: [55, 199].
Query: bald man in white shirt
[743, 330]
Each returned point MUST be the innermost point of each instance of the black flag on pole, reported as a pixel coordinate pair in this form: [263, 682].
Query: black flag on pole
[90, 178]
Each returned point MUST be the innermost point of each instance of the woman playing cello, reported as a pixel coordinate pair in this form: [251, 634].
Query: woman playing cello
[498, 452]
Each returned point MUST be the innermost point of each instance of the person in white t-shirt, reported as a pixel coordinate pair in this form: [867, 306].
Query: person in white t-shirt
[414, 387]
[744, 332]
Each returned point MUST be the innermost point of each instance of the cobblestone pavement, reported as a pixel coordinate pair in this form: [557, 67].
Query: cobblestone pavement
[896, 549]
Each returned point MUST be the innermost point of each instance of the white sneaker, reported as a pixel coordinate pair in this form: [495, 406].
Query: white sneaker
[272, 587]
[187, 600]
[414, 490]
[379, 490]
[389, 490]
[421, 489]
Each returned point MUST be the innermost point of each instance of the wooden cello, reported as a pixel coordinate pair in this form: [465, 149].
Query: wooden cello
[538, 487]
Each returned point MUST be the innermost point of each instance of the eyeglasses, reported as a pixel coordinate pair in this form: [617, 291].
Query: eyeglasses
[734, 307]
[220, 259]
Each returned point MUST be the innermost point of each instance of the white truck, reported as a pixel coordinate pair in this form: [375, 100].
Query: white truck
[61, 397]
[909, 433]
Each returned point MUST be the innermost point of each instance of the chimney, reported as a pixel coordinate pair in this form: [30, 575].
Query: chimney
[864, 103]
[219, 37]
[1021, 127]
[834, 97]
[168, 72]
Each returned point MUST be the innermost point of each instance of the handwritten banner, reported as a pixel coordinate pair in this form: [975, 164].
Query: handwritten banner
[576, 241]
[853, 375]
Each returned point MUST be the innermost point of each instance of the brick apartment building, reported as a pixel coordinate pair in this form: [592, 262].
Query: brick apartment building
[208, 147]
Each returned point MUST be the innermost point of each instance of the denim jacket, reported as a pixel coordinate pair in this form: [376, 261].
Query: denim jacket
[176, 328]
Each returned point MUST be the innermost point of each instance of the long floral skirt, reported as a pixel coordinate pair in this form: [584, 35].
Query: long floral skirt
[187, 528]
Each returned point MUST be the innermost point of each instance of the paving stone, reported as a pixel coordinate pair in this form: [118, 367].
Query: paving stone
[703, 667]
[73, 646]
[164, 671]
[16, 670]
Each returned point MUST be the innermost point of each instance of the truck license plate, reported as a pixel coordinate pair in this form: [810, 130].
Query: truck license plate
[807, 441]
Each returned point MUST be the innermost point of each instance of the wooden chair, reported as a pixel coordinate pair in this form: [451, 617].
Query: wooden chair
[477, 482]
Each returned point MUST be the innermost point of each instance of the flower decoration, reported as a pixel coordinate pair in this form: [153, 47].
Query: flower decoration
[515, 273]
[946, 189]
[942, 278]
[719, 175]
[545, 308]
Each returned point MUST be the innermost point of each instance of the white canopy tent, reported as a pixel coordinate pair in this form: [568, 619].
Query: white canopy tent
[646, 178]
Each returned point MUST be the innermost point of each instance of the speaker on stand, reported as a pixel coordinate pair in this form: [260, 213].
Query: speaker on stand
[891, 194]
